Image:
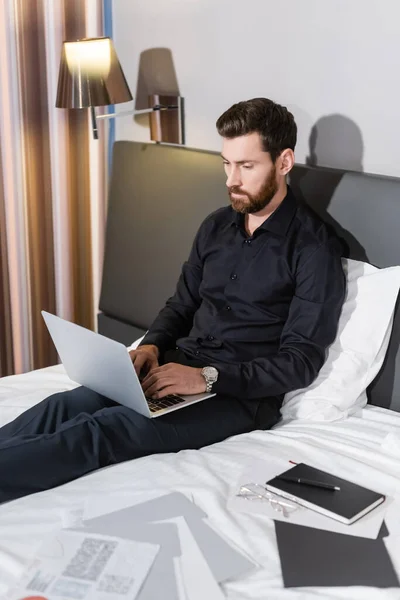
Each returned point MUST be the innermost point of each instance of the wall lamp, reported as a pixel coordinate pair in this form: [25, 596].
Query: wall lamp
[90, 75]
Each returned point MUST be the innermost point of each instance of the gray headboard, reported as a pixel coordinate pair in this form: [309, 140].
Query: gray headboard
[160, 194]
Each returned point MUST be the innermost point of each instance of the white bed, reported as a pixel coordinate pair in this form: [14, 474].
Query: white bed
[365, 448]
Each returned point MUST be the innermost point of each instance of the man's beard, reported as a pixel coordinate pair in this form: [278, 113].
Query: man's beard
[252, 204]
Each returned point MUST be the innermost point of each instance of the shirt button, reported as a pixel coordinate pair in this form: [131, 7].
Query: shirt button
[248, 242]
[197, 352]
[228, 308]
[233, 276]
[210, 338]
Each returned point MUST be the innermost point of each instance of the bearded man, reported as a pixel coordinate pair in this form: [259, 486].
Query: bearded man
[255, 308]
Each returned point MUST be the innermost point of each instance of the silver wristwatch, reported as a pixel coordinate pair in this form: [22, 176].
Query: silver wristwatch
[210, 374]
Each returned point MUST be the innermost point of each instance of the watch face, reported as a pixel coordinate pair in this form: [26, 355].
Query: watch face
[211, 373]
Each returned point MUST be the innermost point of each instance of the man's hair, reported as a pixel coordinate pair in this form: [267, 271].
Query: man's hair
[274, 123]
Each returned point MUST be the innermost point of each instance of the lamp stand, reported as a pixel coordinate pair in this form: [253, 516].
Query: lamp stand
[94, 123]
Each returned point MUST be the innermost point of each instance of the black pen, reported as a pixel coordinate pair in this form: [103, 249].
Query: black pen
[301, 481]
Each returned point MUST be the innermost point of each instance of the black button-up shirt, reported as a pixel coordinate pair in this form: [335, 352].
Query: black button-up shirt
[262, 309]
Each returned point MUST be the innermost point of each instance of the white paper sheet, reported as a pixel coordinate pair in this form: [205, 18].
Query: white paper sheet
[165, 535]
[225, 561]
[83, 566]
[260, 472]
[198, 581]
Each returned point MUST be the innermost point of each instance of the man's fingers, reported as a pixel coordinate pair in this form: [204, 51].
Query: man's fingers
[173, 379]
[151, 364]
[134, 354]
[141, 360]
[156, 370]
[170, 389]
[166, 367]
[138, 362]
[156, 383]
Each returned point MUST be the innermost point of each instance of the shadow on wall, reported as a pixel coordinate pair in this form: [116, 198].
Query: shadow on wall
[156, 75]
[336, 144]
[336, 141]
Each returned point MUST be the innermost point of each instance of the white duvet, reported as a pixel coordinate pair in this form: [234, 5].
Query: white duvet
[366, 449]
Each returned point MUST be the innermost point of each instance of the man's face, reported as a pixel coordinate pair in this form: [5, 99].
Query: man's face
[251, 174]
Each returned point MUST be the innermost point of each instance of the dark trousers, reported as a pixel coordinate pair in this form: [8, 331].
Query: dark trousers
[72, 433]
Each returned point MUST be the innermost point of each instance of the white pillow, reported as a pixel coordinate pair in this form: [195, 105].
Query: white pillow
[135, 344]
[356, 356]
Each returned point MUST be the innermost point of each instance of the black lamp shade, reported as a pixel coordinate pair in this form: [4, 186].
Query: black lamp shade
[90, 75]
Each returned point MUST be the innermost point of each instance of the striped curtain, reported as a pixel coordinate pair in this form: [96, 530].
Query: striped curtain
[52, 182]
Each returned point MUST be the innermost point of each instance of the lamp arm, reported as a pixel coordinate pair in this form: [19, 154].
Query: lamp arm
[137, 112]
[174, 131]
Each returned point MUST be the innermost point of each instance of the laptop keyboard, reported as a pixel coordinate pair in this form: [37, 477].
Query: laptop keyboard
[171, 400]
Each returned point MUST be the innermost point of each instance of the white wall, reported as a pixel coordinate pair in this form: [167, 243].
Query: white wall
[334, 63]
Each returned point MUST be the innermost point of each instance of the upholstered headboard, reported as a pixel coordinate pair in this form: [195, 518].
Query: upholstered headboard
[160, 194]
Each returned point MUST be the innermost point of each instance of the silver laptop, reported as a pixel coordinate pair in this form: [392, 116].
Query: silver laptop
[104, 366]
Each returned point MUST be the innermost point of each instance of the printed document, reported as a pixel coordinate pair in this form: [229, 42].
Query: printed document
[87, 566]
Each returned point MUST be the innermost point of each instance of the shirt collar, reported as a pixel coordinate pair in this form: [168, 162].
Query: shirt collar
[280, 219]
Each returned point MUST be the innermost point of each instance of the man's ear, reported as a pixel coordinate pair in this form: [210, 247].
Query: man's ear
[286, 161]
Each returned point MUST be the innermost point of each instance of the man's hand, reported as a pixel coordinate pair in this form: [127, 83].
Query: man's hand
[144, 358]
[173, 379]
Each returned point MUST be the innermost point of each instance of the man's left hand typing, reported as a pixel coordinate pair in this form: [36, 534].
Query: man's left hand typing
[173, 378]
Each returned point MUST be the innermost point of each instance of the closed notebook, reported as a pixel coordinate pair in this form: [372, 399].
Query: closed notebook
[331, 559]
[347, 505]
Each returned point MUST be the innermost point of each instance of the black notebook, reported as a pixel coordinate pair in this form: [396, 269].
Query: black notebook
[332, 559]
[346, 505]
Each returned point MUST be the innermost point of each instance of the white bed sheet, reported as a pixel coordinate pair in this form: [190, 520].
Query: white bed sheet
[365, 448]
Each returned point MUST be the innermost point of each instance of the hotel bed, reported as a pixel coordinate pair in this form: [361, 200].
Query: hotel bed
[365, 448]
[360, 443]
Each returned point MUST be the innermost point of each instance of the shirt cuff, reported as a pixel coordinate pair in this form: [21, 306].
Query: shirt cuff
[229, 382]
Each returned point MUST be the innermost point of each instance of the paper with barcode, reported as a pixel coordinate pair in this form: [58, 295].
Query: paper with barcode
[82, 566]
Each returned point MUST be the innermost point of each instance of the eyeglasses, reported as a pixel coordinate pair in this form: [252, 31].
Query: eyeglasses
[257, 492]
